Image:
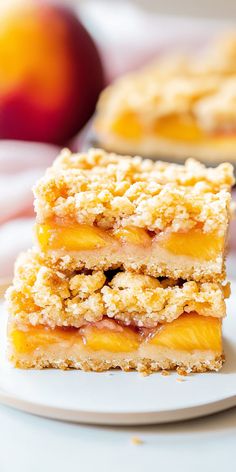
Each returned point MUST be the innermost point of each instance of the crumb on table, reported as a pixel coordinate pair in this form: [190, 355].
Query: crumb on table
[136, 440]
[165, 373]
[181, 371]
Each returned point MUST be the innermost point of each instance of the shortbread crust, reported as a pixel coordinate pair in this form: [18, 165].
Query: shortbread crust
[201, 362]
[138, 260]
[212, 152]
[42, 295]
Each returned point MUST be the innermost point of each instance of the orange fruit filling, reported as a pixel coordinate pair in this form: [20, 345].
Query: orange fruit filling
[179, 129]
[133, 235]
[128, 126]
[26, 342]
[190, 332]
[186, 129]
[171, 127]
[187, 333]
[72, 238]
[110, 336]
[194, 243]
[76, 237]
[84, 237]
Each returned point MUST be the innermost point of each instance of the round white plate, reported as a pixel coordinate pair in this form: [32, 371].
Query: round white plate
[117, 397]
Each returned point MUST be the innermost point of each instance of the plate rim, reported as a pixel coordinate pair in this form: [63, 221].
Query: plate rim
[117, 418]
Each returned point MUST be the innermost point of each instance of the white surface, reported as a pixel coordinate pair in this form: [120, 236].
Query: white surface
[31, 444]
[122, 398]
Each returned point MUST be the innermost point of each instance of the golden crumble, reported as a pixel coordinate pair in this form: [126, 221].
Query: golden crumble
[109, 191]
[152, 302]
[218, 111]
[41, 296]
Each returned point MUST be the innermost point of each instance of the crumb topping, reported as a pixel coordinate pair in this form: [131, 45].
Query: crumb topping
[218, 112]
[41, 296]
[108, 190]
[146, 301]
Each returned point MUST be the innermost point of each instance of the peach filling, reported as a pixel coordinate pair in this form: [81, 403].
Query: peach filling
[171, 127]
[107, 335]
[133, 235]
[73, 237]
[76, 237]
[34, 337]
[179, 129]
[195, 244]
[188, 333]
[128, 126]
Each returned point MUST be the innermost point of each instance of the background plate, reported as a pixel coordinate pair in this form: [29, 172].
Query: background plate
[117, 397]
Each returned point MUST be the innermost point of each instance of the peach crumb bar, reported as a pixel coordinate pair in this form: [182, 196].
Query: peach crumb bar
[103, 211]
[95, 320]
[178, 106]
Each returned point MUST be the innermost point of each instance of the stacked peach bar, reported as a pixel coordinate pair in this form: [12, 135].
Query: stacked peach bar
[129, 267]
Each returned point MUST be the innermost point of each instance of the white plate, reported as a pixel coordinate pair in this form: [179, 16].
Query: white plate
[118, 397]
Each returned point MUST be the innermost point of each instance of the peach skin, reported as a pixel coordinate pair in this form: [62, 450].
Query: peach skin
[50, 74]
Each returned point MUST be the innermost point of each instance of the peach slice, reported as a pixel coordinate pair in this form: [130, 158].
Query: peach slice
[190, 332]
[127, 125]
[202, 246]
[186, 129]
[72, 238]
[107, 335]
[133, 235]
[179, 129]
[34, 337]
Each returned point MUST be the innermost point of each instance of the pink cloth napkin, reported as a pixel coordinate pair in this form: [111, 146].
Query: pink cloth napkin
[21, 164]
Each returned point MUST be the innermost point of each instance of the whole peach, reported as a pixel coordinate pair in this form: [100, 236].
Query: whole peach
[50, 74]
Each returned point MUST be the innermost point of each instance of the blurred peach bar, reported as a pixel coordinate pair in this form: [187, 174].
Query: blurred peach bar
[94, 320]
[176, 107]
[103, 211]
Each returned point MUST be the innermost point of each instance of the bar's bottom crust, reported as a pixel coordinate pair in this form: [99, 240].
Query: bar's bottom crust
[202, 362]
[157, 265]
[171, 150]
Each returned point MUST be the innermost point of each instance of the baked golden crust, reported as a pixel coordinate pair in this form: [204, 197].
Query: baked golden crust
[155, 266]
[142, 365]
[110, 191]
[40, 295]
